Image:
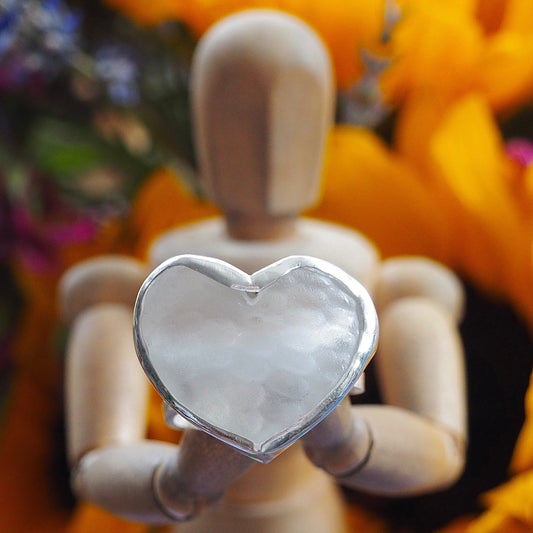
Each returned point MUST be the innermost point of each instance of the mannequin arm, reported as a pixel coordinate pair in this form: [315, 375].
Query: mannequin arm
[155, 482]
[415, 443]
[106, 399]
[106, 390]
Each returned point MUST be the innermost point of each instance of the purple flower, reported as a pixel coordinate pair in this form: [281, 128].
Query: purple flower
[9, 18]
[36, 238]
[363, 103]
[37, 39]
[116, 68]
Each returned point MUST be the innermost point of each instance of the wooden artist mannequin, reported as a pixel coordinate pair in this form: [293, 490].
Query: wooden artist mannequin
[263, 102]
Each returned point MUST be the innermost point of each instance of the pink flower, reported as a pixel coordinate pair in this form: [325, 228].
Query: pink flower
[36, 238]
[520, 151]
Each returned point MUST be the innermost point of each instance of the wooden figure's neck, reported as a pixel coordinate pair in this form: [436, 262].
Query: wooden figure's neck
[260, 226]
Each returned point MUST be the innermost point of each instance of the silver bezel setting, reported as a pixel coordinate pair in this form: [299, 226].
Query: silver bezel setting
[236, 279]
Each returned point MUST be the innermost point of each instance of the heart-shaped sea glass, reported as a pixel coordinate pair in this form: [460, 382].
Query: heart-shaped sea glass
[254, 360]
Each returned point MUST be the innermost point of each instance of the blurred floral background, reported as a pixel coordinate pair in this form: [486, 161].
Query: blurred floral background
[431, 154]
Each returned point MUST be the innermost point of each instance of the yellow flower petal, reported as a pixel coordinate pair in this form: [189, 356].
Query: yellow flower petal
[518, 16]
[89, 519]
[360, 519]
[147, 13]
[505, 15]
[505, 73]
[436, 47]
[470, 154]
[161, 204]
[443, 50]
[514, 498]
[157, 427]
[457, 525]
[523, 452]
[496, 521]
[370, 189]
[493, 238]
[26, 449]
[490, 14]
[418, 118]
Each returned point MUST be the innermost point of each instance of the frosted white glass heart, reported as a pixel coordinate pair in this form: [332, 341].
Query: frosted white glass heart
[255, 360]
